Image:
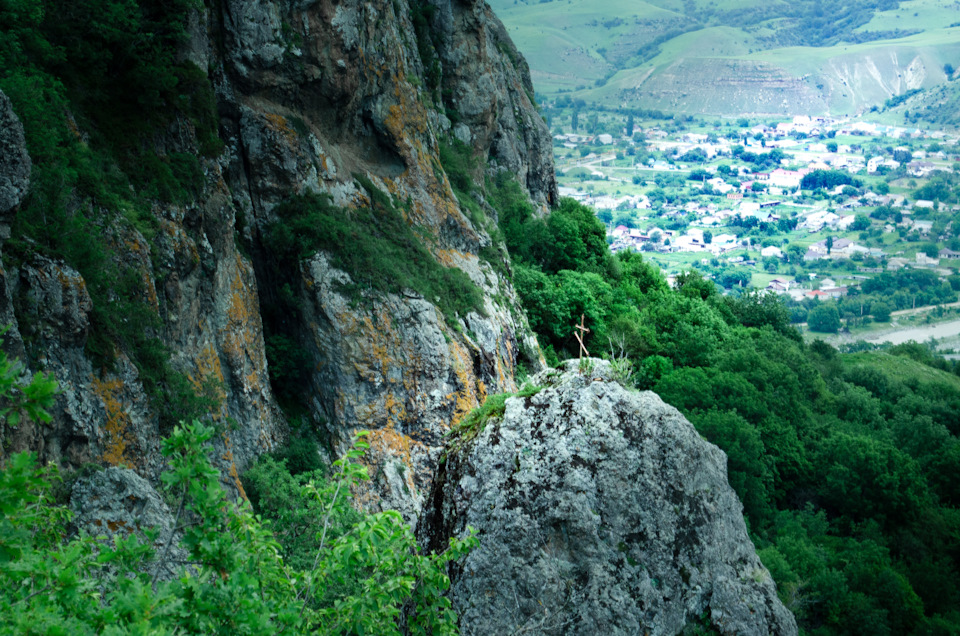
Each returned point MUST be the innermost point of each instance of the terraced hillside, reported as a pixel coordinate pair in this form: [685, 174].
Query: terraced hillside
[731, 58]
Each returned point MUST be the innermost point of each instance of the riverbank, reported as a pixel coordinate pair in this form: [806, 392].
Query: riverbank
[941, 324]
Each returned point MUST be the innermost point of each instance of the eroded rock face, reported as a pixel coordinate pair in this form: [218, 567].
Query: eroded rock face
[599, 511]
[318, 92]
[309, 95]
[14, 163]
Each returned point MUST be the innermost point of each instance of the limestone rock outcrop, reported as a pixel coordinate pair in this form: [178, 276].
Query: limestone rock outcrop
[599, 511]
[315, 93]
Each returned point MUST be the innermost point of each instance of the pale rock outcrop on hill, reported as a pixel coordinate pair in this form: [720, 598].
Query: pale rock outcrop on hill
[599, 511]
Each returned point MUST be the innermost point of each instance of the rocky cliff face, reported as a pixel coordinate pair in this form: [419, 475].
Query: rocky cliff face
[318, 92]
[599, 511]
[310, 94]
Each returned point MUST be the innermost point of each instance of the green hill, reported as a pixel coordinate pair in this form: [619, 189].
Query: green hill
[726, 58]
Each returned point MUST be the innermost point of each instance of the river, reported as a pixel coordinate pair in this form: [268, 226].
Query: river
[920, 334]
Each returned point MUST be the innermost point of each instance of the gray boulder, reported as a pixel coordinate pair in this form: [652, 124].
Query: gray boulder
[118, 500]
[599, 511]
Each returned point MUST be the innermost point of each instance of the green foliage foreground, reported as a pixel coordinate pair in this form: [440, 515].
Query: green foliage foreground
[314, 565]
[350, 573]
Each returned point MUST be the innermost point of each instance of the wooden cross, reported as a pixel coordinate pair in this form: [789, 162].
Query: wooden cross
[581, 331]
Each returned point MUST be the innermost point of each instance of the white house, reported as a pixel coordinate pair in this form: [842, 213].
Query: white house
[771, 251]
[786, 178]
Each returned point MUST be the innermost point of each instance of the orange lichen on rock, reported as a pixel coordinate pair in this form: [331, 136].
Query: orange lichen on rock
[184, 248]
[440, 203]
[280, 125]
[396, 412]
[450, 258]
[118, 421]
[241, 333]
[407, 117]
[113, 526]
[240, 340]
[69, 282]
[209, 379]
[389, 444]
[466, 399]
[386, 411]
[232, 471]
[137, 245]
[381, 344]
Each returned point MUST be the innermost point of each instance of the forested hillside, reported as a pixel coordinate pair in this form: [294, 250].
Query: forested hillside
[847, 465]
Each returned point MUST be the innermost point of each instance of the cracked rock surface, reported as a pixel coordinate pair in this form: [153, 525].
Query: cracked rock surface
[599, 511]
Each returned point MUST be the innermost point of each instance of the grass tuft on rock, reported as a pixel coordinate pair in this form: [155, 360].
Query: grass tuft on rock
[492, 408]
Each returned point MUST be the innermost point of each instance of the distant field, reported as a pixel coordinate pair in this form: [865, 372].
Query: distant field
[662, 54]
[916, 14]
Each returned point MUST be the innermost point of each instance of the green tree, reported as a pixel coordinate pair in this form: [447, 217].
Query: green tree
[902, 156]
[860, 223]
[880, 311]
[824, 318]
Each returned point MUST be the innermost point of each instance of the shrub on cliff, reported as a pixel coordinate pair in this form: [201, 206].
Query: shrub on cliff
[374, 244]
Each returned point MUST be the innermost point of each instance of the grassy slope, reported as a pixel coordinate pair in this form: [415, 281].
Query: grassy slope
[722, 69]
[916, 14]
[901, 367]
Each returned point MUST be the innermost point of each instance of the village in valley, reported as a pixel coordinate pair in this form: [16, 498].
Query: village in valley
[832, 212]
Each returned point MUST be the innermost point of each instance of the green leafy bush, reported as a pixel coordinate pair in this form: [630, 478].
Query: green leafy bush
[334, 570]
[375, 245]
